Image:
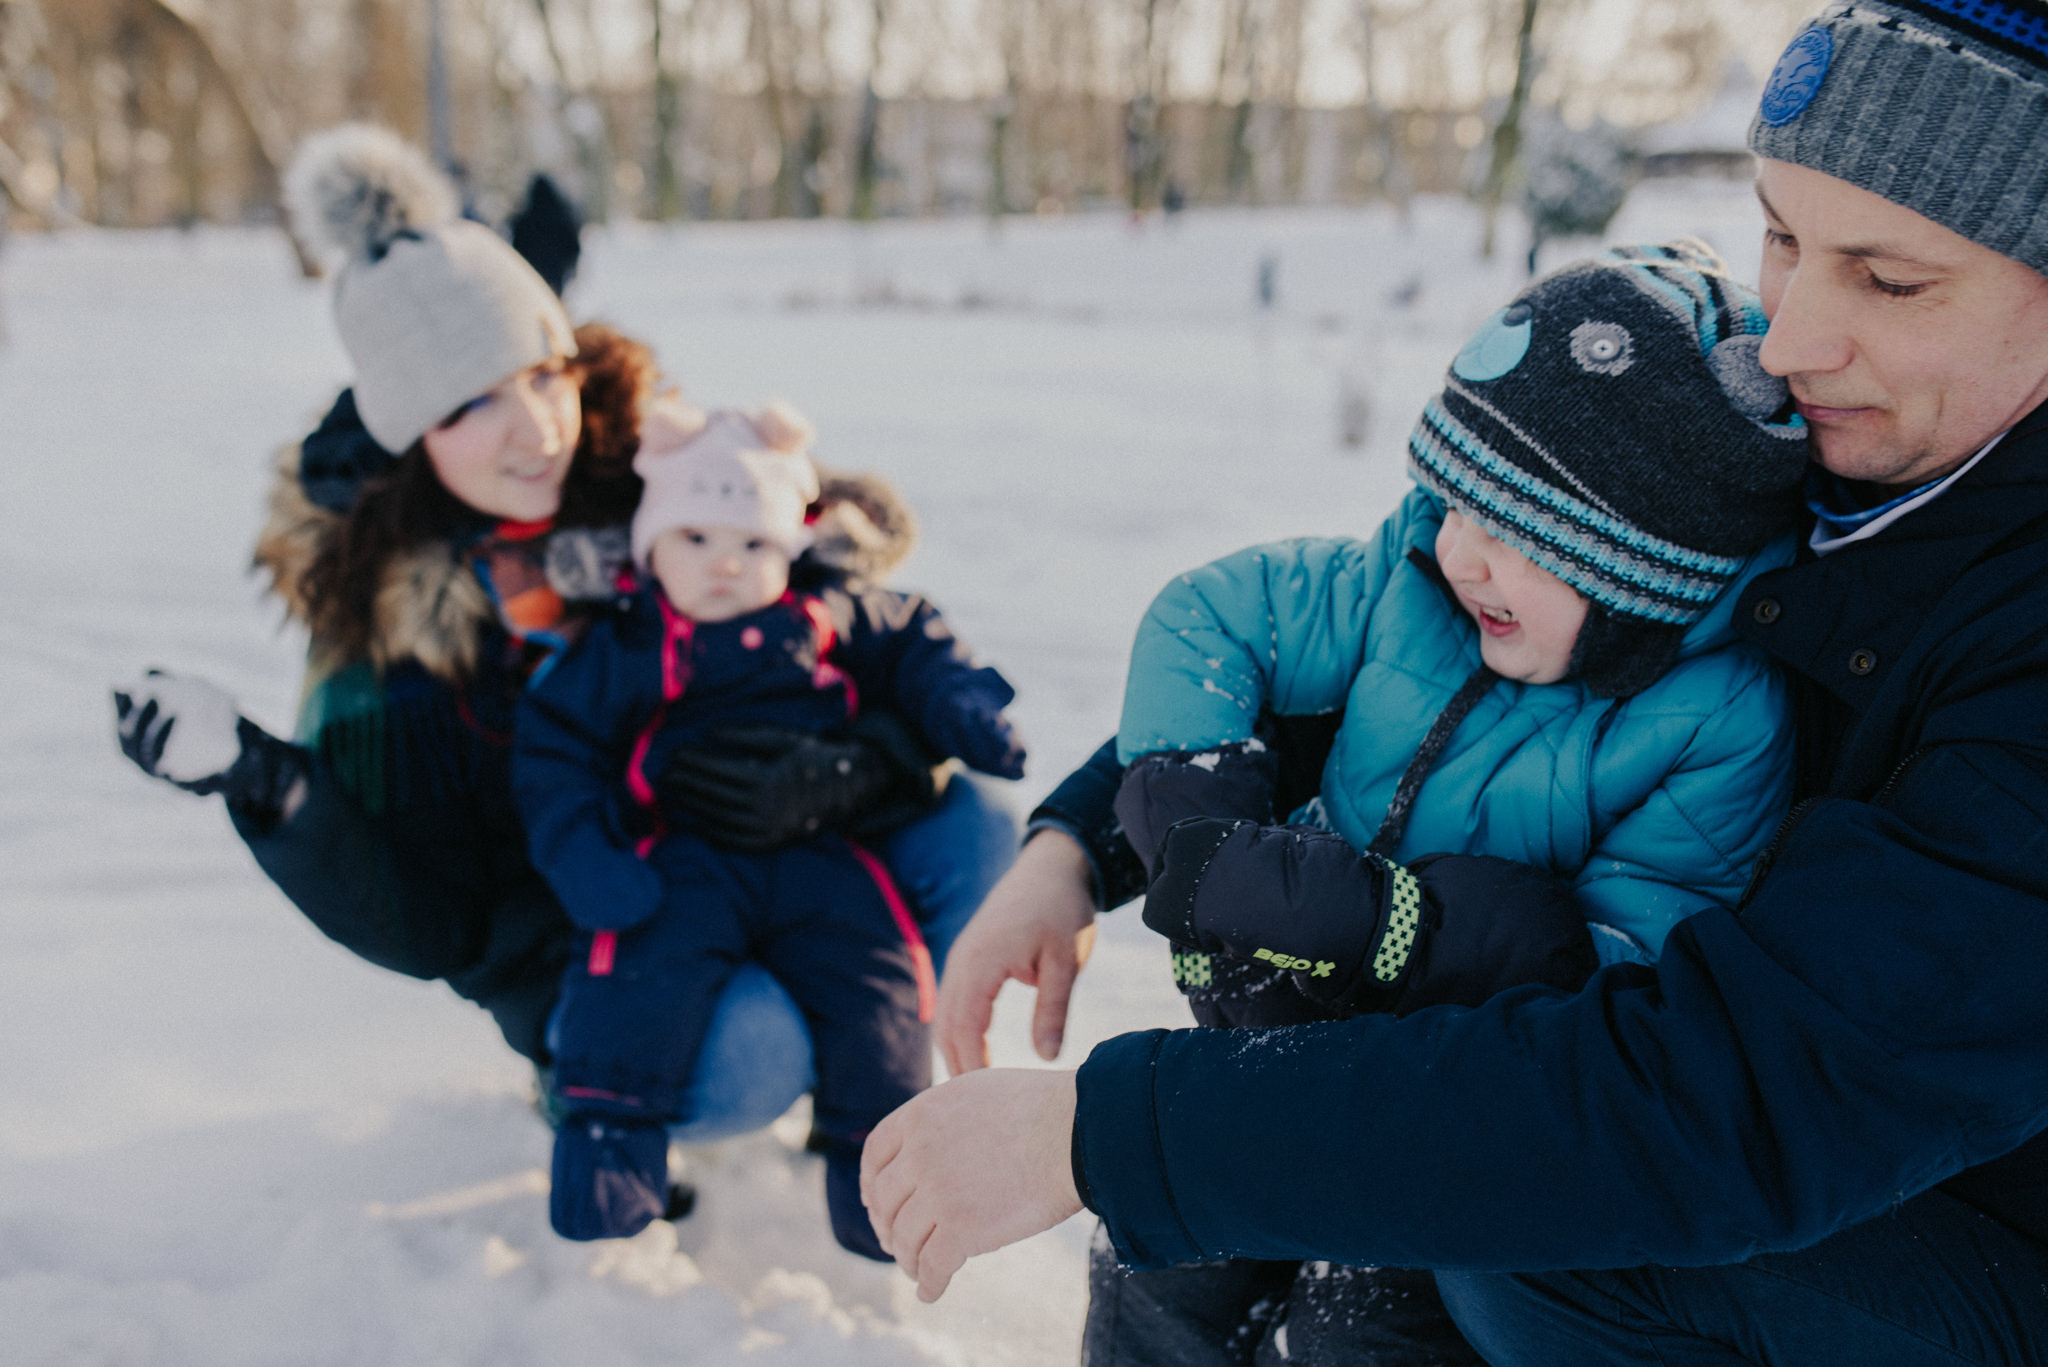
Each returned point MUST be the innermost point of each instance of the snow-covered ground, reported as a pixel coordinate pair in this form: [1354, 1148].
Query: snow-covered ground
[227, 1142]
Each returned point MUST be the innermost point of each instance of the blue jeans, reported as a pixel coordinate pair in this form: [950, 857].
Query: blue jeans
[1934, 1282]
[757, 1056]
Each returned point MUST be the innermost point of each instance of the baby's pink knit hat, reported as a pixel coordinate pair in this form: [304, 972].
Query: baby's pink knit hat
[725, 469]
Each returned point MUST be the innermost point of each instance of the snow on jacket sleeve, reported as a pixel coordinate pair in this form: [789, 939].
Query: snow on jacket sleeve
[1692, 842]
[569, 753]
[906, 660]
[1868, 1025]
[1280, 625]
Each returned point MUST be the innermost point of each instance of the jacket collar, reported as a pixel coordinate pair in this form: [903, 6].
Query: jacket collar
[1846, 621]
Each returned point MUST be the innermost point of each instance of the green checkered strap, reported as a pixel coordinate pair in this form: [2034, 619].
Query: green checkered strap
[1404, 919]
[1191, 968]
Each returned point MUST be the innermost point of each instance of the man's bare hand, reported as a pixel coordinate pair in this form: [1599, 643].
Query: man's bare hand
[969, 1167]
[1037, 925]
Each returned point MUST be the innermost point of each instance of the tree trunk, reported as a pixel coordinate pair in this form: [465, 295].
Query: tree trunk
[265, 133]
[667, 121]
[589, 149]
[1507, 134]
[867, 162]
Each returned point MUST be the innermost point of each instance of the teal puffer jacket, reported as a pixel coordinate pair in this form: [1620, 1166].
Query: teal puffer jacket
[1655, 806]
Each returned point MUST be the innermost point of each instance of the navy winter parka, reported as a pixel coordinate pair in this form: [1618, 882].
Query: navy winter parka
[1867, 1024]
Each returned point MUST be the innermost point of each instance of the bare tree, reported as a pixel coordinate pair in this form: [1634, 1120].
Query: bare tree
[1386, 169]
[582, 119]
[667, 116]
[867, 159]
[1507, 133]
[789, 42]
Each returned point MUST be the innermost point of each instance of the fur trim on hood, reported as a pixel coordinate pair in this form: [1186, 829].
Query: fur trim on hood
[432, 608]
[864, 529]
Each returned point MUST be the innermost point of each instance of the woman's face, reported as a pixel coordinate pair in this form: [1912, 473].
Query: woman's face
[1528, 618]
[506, 452]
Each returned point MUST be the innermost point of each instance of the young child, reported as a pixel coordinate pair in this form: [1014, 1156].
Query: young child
[718, 638]
[1531, 660]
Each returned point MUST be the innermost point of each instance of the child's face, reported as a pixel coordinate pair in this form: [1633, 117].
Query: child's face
[713, 574]
[1528, 618]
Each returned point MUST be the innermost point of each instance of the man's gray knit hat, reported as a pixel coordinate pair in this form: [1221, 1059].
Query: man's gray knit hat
[1940, 106]
[432, 308]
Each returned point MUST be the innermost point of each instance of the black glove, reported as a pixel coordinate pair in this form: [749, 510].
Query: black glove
[1230, 781]
[760, 788]
[1359, 933]
[186, 732]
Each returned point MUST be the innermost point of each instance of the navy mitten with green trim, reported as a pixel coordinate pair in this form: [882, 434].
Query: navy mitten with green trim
[1356, 933]
[1159, 789]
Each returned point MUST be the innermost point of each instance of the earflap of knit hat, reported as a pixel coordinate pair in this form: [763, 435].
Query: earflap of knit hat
[1618, 656]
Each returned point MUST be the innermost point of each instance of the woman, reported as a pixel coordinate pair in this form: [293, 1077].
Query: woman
[437, 583]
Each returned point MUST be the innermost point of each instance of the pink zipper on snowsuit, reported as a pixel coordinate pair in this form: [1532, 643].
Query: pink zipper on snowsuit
[678, 633]
[906, 925]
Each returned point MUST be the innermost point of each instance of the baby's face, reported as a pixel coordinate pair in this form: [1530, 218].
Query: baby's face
[713, 574]
[1528, 618]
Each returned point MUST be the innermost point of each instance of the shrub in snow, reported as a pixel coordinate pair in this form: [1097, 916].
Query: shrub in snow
[1577, 180]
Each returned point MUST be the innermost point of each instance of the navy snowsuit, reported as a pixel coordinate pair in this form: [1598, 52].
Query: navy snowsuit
[663, 918]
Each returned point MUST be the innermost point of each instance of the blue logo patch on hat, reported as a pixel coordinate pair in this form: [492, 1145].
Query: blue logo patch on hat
[1796, 79]
[1499, 347]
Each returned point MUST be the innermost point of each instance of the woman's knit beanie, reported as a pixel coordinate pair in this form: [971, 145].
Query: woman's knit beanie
[1940, 106]
[1613, 424]
[432, 308]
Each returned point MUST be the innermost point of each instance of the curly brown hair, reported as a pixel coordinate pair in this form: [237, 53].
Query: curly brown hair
[615, 376]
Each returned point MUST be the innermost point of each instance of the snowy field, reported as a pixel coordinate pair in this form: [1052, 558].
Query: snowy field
[228, 1143]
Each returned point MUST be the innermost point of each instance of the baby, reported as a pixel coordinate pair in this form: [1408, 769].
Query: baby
[720, 638]
[1533, 659]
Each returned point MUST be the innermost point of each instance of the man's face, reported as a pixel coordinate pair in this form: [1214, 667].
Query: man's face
[1907, 346]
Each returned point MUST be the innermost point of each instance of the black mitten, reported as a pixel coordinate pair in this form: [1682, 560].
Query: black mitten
[760, 788]
[1359, 933]
[1231, 781]
[1493, 924]
[1293, 899]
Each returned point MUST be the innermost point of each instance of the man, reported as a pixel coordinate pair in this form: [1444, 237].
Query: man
[1818, 1129]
